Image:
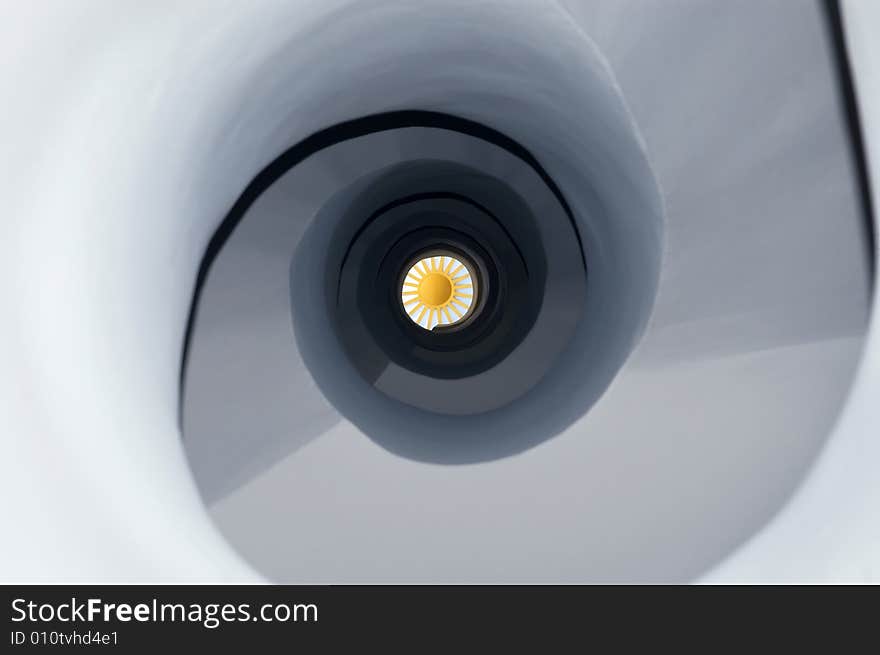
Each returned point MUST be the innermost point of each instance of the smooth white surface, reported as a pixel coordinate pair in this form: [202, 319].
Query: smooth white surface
[830, 530]
[98, 255]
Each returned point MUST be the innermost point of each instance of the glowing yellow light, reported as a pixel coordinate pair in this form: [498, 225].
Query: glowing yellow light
[435, 289]
[438, 290]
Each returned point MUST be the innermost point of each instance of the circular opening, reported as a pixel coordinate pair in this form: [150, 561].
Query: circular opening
[396, 298]
[548, 202]
[438, 290]
[275, 424]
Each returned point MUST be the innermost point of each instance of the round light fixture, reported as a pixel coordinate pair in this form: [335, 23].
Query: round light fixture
[438, 290]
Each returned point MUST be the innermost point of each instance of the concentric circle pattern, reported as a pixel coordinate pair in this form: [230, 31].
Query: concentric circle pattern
[438, 291]
[623, 258]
